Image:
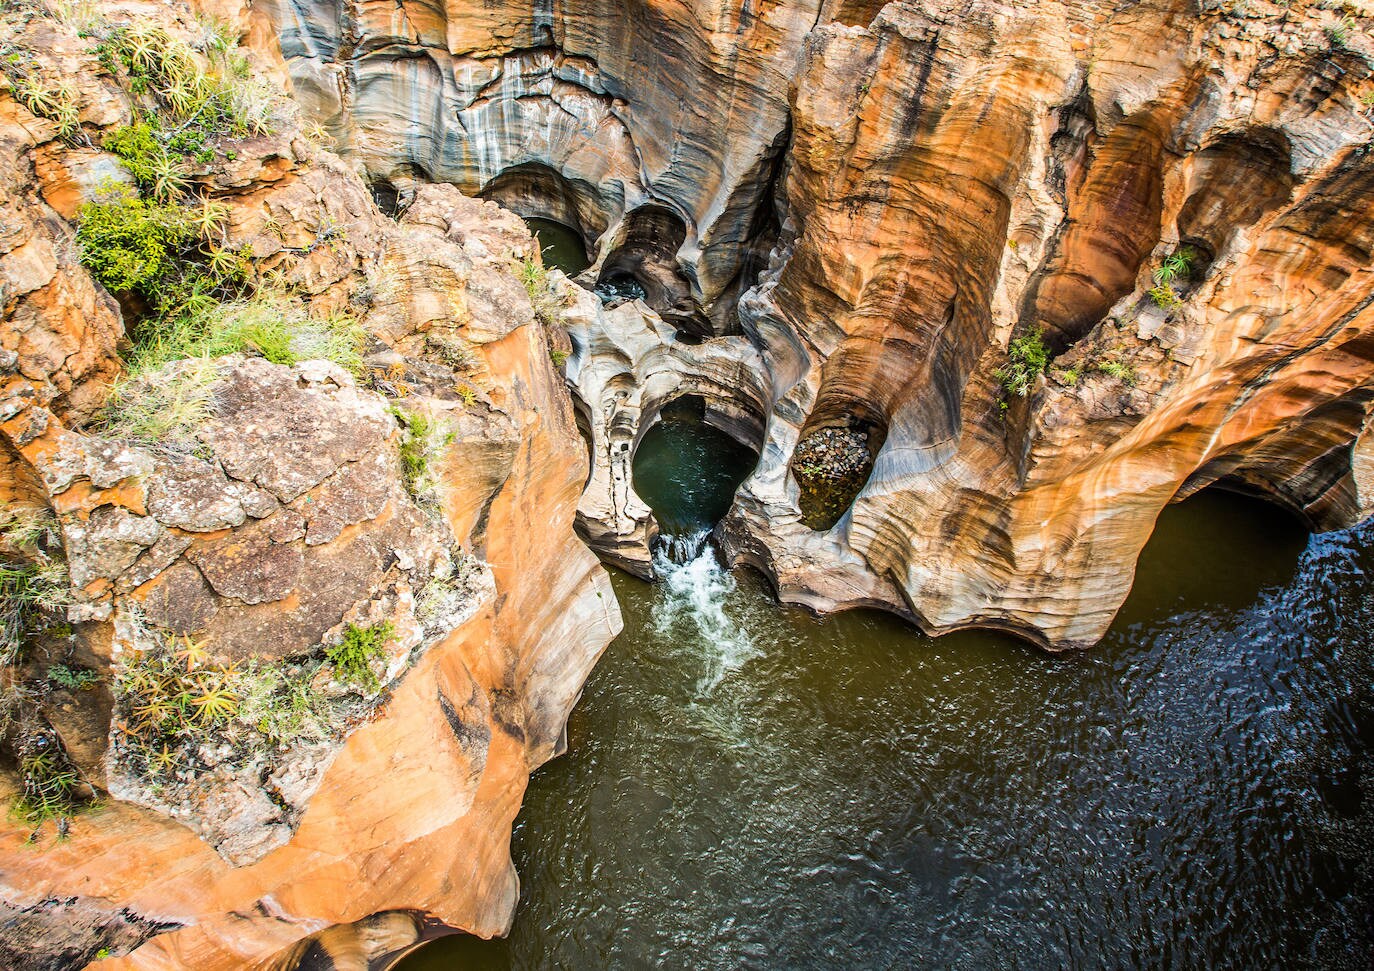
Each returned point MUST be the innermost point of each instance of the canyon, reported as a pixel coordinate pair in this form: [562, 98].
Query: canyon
[1052, 266]
[870, 204]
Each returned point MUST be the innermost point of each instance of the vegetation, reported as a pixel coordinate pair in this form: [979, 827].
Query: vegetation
[1338, 32]
[211, 88]
[163, 409]
[172, 698]
[34, 587]
[353, 656]
[452, 350]
[1165, 297]
[1117, 369]
[558, 357]
[50, 100]
[1027, 359]
[155, 160]
[423, 440]
[73, 679]
[1176, 268]
[51, 787]
[132, 245]
[542, 296]
[284, 704]
[83, 16]
[201, 307]
[34, 592]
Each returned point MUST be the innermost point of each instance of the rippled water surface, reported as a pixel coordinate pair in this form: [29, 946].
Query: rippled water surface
[751, 787]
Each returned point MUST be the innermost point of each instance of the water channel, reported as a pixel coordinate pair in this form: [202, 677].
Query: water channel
[749, 786]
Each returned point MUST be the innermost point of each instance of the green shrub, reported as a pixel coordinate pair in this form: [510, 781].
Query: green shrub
[132, 245]
[1027, 358]
[1165, 297]
[279, 330]
[1178, 265]
[139, 148]
[423, 440]
[353, 656]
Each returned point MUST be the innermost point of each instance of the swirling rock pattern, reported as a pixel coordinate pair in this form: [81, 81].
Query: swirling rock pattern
[945, 179]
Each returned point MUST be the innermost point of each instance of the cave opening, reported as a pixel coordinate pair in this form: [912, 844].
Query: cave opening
[1176, 570]
[387, 197]
[686, 469]
[643, 265]
[560, 245]
[564, 214]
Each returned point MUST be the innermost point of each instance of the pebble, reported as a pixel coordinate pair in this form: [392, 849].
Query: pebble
[833, 452]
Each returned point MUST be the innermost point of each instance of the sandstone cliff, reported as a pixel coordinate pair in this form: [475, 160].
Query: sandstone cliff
[322, 624]
[868, 204]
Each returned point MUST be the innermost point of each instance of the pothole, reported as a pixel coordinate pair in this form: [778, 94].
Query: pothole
[831, 466]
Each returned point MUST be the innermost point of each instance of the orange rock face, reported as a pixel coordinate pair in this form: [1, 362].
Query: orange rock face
[865, 205]
[928, 186]
[289, 518]
[1035, 173]
[944, 182]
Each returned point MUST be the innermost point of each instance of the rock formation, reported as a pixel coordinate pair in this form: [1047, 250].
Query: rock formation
[418, 509]
[933, 183]
[1054, 264]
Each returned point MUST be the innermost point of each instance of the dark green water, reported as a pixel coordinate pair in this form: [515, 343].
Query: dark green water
[562, 246]
[749, 787]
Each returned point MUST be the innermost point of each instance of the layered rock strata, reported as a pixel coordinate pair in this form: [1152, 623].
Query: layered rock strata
[286, 520]
[947, 180]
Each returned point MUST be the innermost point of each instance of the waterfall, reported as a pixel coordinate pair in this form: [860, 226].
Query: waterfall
[691, 601]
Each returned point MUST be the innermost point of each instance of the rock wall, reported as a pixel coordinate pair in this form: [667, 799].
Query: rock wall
[677, 104]
[1033, 173]
[936, 182]
[287, 516]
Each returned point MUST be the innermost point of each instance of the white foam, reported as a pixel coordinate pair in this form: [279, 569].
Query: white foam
[693, 593]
